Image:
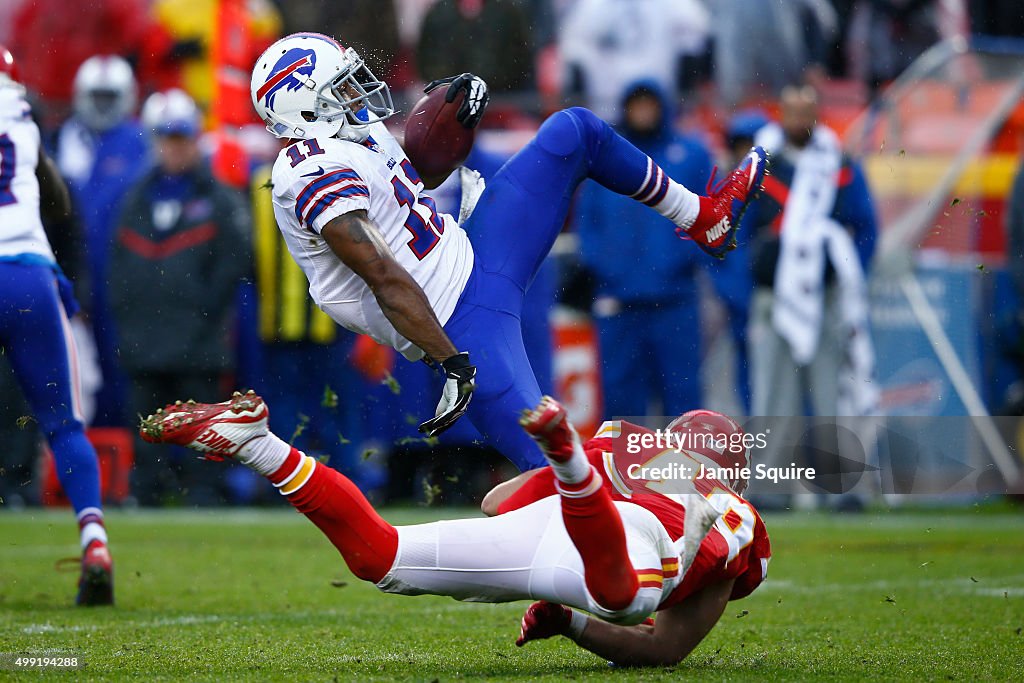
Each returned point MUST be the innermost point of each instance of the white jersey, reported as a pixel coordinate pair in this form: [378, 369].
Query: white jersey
[317, 180]
[21, 230]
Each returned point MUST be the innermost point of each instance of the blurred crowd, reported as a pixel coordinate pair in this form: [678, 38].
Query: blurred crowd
[187, 288]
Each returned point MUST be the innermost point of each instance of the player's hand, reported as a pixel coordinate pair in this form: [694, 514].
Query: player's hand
[460, 380]
[543, 620]
[473, 104]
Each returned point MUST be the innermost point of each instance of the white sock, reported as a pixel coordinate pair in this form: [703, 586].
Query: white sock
[92, 531]
[578, 467]
[264, 454]
[680, 205]
[93, 528]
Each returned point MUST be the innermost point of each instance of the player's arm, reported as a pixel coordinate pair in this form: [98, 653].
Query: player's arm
[355, 239]
[677, 631]
[503, 491]
[54, 198]
[675, 634]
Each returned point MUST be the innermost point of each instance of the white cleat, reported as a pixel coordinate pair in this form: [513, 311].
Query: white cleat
[216, 429]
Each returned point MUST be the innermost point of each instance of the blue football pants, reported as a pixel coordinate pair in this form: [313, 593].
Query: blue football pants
[513, 227]
[36, 336]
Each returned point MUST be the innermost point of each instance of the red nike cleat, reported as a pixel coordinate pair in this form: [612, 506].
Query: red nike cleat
[96, 584]
[217, 429]
[714, 229]
[548, 425]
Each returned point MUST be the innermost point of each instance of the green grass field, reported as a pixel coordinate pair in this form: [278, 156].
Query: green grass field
[248, 595]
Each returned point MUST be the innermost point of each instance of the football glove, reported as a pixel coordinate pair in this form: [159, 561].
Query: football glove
[543, 620]
[473, 104]
[459, 383]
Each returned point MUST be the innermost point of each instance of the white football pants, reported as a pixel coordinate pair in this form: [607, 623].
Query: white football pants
[525, 555]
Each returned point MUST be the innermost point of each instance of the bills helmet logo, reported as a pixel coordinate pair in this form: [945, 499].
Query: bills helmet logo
[283, 75]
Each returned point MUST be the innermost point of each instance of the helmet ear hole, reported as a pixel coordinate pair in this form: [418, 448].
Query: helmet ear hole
[308, 116]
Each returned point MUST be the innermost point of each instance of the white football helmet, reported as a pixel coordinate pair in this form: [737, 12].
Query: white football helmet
[105, 91]
[306, 85]
[171, 112]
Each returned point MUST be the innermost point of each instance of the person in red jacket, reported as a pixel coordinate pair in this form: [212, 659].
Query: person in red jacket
[53, 37]
[565, 538]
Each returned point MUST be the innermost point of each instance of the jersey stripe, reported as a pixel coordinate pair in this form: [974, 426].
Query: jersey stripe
[305, 198]
[331, 197]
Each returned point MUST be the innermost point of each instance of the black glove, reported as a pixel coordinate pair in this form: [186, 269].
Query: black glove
[473, 104]
[458, 390]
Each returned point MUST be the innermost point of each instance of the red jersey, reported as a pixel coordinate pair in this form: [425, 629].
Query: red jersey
[737, 547]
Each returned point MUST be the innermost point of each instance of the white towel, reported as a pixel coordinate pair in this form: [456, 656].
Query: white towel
[808, 237]
[800, 274]
[858, 393]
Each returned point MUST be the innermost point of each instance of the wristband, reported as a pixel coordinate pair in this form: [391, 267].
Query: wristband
[577, 623]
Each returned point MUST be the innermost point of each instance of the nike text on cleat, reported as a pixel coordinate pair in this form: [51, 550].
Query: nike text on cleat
[548, 425]
[217, 429]
[719, 229]
[714, 229]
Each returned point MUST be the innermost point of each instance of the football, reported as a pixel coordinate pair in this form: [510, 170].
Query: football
[435, 141]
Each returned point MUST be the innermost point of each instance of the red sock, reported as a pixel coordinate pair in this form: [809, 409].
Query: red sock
[340, 510]
[596, 530]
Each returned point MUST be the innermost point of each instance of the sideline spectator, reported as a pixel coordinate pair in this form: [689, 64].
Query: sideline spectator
[101, 151]
[181, 249]
[647, 301]
[885, 36]
[814, 232]
[491, 37]
[608, 44]
[769, 45]
[369, 26]
[52, 38]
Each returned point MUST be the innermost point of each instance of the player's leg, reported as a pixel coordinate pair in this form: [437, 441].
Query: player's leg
[505, 384]
[590, 516]
[237, 428]
[524, 207]
[524, 554]
[37, 337]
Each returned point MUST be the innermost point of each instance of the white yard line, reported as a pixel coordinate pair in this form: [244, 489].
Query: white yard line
[163, 622]
[1012, 586]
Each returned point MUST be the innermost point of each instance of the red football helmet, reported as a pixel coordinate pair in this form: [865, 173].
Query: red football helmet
[8, 67]
[730, 445]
